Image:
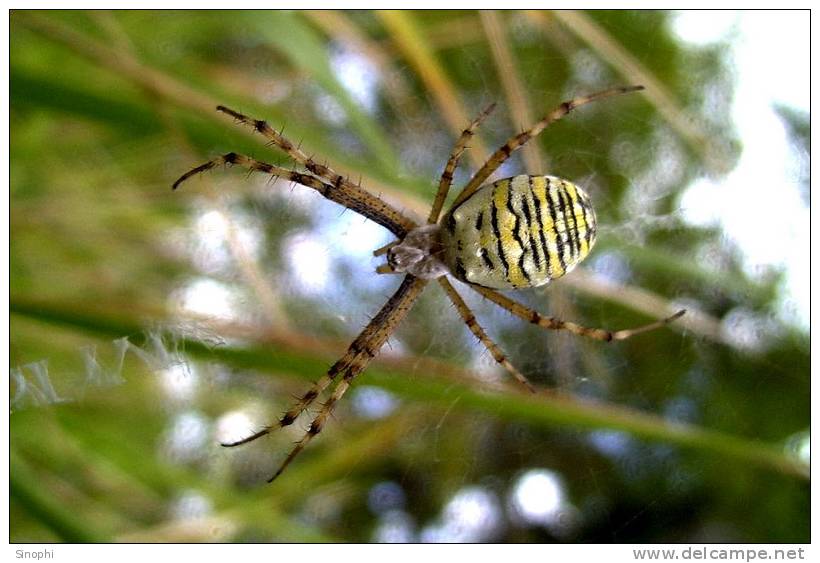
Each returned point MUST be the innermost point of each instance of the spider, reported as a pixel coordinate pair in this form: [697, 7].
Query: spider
[515, 233]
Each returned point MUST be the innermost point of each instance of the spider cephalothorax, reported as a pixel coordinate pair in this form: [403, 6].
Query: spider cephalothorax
[419, 254]
[517, 232]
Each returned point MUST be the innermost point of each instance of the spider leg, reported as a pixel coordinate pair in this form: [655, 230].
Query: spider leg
[363, 349]
[293, 412]
[360, 350]
[278, 139]
[469, 319]
[321, 170]
[517, 141]
[358, 354]
[319, 422]
[354, 355]
[452, 164]
[552, 323]
[360, 201]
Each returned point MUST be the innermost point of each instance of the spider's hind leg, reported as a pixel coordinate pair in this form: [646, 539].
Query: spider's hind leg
[471, 322]
[552, 323]
[517, 141]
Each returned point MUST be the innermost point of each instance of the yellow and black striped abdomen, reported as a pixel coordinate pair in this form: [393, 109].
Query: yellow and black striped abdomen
[519, 232]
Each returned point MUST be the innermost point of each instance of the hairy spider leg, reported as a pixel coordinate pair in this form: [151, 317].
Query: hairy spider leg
[363, 349]
[518, 141]
[552, 323]
[452, 163]
[321, 170]
[469, 319]
[360, 201]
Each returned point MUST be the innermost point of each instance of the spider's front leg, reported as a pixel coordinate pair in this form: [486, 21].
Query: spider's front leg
[452, 163]
[360, 201]
[358, 355]
[363, 349]
[552, 323]
[353, 193]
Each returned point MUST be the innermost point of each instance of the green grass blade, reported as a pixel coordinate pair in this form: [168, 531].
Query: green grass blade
[544, 410]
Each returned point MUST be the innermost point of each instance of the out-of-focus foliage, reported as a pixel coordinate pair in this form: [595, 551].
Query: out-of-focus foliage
[220, 291]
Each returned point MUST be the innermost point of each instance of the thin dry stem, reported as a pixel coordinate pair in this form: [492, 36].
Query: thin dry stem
[248, 267]
[658, 95]
[408, 41]
[338, 26]
[511, 83]
[166, 87]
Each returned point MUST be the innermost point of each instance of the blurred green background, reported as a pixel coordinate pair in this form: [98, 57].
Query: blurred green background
[148, 325]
